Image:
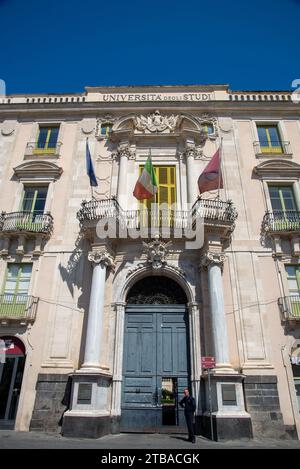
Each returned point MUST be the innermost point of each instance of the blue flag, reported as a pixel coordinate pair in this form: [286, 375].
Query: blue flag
[89, 167]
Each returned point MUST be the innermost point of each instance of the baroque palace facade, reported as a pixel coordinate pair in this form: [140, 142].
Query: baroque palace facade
[102, 334]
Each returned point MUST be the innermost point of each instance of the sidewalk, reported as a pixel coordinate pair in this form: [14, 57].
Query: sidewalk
[37, 440]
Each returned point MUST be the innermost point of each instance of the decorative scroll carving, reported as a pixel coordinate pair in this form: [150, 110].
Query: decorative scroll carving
[212, 258]
[155, 122]
[157, 252]
[125, 150]
[102, 257]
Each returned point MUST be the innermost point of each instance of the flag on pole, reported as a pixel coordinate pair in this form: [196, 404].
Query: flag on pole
[211, 176]
[89, 167]
[146, 185]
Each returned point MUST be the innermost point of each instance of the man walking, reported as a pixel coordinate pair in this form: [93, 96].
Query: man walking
[189, 405]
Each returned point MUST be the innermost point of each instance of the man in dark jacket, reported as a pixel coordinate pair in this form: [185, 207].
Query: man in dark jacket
[189, 405]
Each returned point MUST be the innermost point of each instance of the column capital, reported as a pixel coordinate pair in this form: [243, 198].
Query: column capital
[102, 257]
[212, 258]
[125, 150]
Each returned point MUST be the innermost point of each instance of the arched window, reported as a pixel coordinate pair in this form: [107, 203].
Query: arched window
[156, 290]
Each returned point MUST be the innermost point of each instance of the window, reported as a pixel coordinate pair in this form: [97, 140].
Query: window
[47, 139]
[166, 186]
[269, 139]
[34, 200]
[209, 128]
[106, 129]
[282, 198]
[32, 208]
[17, 279]
[166, 194]
[293, 279]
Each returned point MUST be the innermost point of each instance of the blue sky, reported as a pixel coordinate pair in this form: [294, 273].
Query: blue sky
[50, 46]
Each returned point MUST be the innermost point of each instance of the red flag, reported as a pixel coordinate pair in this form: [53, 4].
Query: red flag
[211, 176]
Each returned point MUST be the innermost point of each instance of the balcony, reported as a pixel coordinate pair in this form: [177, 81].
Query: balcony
[26, 223]
[216, 214]
[281, 222]
[33, 150]
[272, 149]
[290, 307]
[17, 308]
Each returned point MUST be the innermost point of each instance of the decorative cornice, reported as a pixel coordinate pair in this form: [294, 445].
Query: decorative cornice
[102, 257]
[212, 258]
[278, 167]
[38, 169]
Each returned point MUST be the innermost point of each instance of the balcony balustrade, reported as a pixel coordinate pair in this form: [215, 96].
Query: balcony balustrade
[290, 307]
[20, 307]
[32, 149]
[280, 221]
[212, 212]
[26, 222]
[282, 148]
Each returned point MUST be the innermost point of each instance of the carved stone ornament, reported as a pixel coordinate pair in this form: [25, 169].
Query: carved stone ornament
[124, 150]
[210, 258]
[157, 252]
[194, 151]
[155, 122]
[207, 118]
[102, 257]
[106, 119]
[169, 267]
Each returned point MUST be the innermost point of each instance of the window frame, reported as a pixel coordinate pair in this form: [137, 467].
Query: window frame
[46, 149]
[20, 267]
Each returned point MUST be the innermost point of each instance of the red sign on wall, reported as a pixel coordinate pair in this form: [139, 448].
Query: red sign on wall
[208, 362]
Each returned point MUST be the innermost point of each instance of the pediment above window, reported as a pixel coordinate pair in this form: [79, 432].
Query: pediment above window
[156, 123]
[38, 170]
[277, 168]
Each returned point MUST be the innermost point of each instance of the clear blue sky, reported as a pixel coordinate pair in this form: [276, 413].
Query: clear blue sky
[62, 46]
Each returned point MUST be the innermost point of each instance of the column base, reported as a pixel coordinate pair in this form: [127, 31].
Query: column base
[224, 398]
[79, 425]
[226, 427]
[89, 414]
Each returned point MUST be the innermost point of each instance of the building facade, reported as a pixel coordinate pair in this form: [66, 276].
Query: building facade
[108, 305]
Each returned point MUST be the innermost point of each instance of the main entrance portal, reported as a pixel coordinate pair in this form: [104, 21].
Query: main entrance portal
[156, 357]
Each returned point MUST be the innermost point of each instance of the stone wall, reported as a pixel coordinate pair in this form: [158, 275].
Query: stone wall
[52, 399]
[262, 403]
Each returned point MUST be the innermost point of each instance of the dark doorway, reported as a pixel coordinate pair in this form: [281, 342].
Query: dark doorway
[12, 362]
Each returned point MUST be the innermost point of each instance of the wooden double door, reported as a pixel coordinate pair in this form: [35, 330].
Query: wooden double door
[155, 368]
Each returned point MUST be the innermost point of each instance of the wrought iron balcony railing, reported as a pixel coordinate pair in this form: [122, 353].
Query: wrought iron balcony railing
[272, 147]
[290, 307]
[209, 210]
[280, 221]
[32, 149]
[18, 307]
[22, 222]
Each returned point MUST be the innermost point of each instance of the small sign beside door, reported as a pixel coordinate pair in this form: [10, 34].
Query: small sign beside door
[208, 362]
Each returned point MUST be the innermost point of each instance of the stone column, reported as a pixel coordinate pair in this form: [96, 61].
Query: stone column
[190, 172]
[101, 261]
[214, 263]
[124, 152]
